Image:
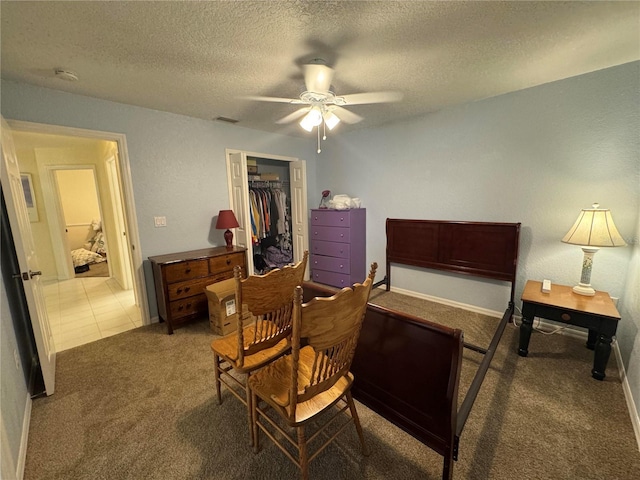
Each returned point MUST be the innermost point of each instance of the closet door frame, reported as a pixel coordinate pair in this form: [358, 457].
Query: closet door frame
[238, 187]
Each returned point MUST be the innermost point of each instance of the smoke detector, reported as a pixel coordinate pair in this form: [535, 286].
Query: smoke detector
[67, 75]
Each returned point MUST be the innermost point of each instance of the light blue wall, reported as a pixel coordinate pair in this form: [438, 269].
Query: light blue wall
[13, 389]
[536, 156]
[178, 164]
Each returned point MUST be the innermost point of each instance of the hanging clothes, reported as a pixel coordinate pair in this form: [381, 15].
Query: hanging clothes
[270, 227]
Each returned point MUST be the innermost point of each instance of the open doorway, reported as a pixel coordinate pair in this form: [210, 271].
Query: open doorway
[83, 308]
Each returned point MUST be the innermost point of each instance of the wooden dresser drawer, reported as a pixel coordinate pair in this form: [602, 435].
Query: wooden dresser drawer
[330, 249]
[330, 234]
[189, 306]
[188, 289]
[331, 218]
[186, 270]
[226, 262]
[331, 278]
[330, 264]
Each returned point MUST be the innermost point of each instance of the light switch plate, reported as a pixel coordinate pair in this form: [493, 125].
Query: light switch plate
[160, 221]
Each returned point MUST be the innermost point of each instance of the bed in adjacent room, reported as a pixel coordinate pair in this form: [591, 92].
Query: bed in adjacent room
[92, 256]
[407, 369]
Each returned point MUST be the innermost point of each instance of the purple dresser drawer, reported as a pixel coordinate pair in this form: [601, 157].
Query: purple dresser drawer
[331, 264]
[330, 249]
[331, 218]
[331, 278]
[330, 234]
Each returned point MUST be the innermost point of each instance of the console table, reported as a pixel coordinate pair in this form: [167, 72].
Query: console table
[561, 304]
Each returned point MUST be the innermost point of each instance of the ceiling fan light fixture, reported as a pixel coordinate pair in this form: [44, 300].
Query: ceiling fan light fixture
[331, 120]
[311, 119]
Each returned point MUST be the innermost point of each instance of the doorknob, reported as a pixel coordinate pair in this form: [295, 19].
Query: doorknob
[25, 275]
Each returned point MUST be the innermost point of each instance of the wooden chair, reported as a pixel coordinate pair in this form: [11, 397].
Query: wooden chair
[314, 377]
[269, 301]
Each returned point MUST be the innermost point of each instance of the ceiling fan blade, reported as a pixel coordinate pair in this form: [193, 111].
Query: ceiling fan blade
[372, 97]
[294, 116]
[317, 77]
[295, 101]
[345, 115]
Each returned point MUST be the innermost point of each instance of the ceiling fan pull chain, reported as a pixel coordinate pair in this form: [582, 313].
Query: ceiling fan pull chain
[324, 130]
[319, 149]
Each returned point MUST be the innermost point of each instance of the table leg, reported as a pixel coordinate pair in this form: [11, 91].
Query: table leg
[592, 339]
[525, 335]
[603, 350]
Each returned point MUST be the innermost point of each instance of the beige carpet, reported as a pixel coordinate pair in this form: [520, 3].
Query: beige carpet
[141, 405]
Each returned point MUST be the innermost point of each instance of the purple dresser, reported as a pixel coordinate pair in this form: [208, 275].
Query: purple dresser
[338, 246]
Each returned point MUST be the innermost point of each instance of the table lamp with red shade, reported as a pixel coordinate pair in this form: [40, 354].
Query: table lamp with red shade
[227, 220]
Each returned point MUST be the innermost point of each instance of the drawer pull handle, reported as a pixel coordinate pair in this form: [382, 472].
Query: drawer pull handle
[341, 266]
[188, 270]
[179, 291]
[187, 289]
[566, 317]
[188, 305]
[341, 235]
[180, 308]
[228, 261]
[341, 219]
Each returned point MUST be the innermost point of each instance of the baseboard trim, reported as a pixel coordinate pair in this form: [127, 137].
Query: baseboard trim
[445, 301]
[22, 455]
[626, 388]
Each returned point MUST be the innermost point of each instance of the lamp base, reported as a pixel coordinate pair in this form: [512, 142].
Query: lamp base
[582, 289]
[228, 237]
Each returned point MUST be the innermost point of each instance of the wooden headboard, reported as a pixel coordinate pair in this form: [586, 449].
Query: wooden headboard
[481, 249]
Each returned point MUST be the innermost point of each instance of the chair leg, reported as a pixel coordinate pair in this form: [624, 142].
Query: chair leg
[356, 420]
[249, 411]
[302, 452]
[254, 422]
[216, 372]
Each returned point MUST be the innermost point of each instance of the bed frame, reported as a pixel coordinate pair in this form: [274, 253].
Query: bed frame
[408, 369]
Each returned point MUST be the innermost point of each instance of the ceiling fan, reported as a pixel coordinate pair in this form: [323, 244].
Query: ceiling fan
[321, 105]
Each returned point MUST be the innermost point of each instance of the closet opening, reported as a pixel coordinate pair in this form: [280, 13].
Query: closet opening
[268, 196]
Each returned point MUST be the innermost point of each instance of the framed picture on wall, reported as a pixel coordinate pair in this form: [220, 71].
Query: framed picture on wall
[29, 196]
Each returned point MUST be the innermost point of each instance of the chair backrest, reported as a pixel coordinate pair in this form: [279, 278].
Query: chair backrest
[269, 300]
[331, 327]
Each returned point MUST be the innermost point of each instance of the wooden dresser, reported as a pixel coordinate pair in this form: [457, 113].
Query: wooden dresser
[338, 246]
[180, 280]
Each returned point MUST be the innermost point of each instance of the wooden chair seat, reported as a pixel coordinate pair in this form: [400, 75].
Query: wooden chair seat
[227, 348]
[273, 384]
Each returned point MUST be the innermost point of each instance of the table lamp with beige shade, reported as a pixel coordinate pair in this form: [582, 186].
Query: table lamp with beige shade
[594, 228]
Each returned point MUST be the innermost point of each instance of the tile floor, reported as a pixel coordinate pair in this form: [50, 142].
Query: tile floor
[83, 310]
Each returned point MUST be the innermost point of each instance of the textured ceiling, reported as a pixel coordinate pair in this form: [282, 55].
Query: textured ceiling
[201, 58]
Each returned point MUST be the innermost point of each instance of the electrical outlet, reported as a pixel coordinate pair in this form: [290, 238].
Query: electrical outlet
[160, 221]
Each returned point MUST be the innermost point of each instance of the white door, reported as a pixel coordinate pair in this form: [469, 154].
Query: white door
[299, 216]
[27, 259]
[239, 203]
[122, 274]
